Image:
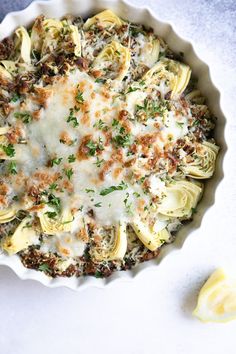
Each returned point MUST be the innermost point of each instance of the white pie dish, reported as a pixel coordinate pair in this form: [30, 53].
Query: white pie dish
[58, 8]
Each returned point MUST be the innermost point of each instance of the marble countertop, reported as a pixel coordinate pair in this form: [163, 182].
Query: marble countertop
[140, 317]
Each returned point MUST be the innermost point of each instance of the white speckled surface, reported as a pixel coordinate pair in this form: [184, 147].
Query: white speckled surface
[139, 317]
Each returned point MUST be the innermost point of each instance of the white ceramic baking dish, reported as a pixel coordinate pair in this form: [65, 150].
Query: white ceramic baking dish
[144, 15]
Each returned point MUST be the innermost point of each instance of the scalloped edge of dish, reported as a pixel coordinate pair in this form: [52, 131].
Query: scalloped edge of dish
[144, 15]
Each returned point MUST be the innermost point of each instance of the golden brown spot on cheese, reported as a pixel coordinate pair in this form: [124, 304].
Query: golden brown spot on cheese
[83, 235]
[42, 95]
[83, 151]
[65, 138]
[14, 135]
[96, 73]
[36, 114]
[117, 171]
[93, 95]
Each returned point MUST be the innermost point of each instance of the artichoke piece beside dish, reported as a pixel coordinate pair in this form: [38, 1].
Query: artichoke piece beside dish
[217, 298]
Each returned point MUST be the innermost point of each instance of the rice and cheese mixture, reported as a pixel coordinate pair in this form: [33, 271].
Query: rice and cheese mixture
[104, 143]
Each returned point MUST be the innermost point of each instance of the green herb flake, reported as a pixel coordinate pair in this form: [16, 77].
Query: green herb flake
[12, 168]
[44, 267]
[71, 158]
[51, 214]
[87, 190]
[121, 186]
[98, 205]
[15, 97]
[68, 172]
[25, 117]
[56, 161]
[98, 163]
[72, 119]
[9, 150]
[79, 97]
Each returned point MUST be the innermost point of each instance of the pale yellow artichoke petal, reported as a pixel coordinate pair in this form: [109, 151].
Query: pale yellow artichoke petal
[151, 239]
[175, 73]
[5, 75]
[118, 250]
[196, 97]
[114, 53]
[180, 199]
[9, 65]
[203, 164]
[106, 18]
[23, 237]
[8, 214]
[76, 39]
[53, 226]
[24, 44]
[217, 298]
[150, 52]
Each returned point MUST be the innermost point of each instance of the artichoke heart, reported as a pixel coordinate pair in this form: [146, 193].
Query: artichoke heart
[44, 38]
[150, 52]
[53, 223]
[176, 74]
[203, 164]
[180, 199]
[23, 237]
[113, 60]
[105, 19]
[23, 42]
[151, 239]
[7, 215]
[118, 250]
[75, 39]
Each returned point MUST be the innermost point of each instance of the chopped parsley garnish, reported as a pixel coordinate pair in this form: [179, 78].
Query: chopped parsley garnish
[152, 108]
[25, 117]
[87, 190]
[115, 123]
[12, 168]
[98, 163]
[72, 119]
[53, 186]
[98, 274]
[122, 140]
[56, 161]
[15, 198]
[94, 146]
[51, 214]
[15, 97]
[100, 125]
[180, 124]
[69, 172]
[9, 150]
[128, 206]
[111, 189]
[44, 267]
[54, 202]
[100, 81]
[79, 97]
[71, 158]
[132, 89]
[137, 195]
[98, 205]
